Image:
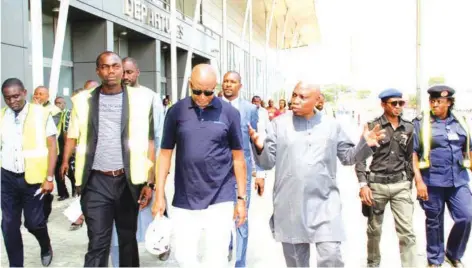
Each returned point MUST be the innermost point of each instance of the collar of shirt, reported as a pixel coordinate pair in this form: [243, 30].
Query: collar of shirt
[21, 114]
[384, 121]
[215, 103]
[234, 103]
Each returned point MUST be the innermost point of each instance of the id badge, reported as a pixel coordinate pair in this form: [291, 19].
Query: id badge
[452, 136]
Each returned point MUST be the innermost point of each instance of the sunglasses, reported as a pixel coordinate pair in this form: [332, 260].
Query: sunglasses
[199, 92]
[395, 103]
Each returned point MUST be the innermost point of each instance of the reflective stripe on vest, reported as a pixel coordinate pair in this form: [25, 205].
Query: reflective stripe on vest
[34, 142]
[426, 138]
[140, 108]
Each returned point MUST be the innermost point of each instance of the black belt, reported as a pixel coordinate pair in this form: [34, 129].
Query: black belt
[113, 173]
[387, 178]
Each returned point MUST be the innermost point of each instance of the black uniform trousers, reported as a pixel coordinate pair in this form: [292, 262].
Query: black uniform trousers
[106, 199]
[18, 196]
[61, 183]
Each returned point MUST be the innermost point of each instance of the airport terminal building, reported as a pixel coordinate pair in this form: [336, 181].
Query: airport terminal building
[140, 29]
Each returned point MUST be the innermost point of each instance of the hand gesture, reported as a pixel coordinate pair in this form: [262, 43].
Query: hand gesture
[240, 212]
[159, 206]
[145, 197]
[366, 196]
[256, 138]
[373, 136]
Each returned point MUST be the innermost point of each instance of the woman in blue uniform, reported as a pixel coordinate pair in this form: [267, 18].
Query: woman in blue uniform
[441, 158]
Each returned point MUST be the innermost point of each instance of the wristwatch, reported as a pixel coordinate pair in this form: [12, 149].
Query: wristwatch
[151, 185]
[242, 197]
[50, 178]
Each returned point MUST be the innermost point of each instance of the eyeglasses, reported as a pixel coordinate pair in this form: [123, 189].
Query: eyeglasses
[199, 92]
[395, 103]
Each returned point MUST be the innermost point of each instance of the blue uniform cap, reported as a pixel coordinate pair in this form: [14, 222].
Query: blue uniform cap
[390, 93]
[441, 91]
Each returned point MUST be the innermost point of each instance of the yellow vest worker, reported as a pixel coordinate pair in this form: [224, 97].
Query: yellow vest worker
[28, 144]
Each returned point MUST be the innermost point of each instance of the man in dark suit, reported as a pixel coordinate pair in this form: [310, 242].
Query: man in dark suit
[112, 126]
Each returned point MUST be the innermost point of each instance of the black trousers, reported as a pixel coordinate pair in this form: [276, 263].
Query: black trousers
[104, 199]
[61, 184]
[17, 197]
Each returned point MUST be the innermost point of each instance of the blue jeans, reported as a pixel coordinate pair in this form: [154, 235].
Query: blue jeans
[242, 233]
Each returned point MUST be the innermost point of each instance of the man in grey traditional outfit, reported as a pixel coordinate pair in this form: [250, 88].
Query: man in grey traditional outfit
[303, 144]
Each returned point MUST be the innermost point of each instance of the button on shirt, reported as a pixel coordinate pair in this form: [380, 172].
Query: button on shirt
[12, 139]
[205, 139]
[446, 154]
[394, 152]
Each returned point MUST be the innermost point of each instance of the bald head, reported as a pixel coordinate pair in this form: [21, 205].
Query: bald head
[304, 99]
[202, 81]
[91, 84]
[41, 95]
[204, 73]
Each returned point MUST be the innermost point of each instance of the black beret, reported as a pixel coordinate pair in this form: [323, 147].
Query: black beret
[441, 91]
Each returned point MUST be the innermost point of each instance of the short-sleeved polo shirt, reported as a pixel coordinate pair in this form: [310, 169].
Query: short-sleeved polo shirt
[205, 139]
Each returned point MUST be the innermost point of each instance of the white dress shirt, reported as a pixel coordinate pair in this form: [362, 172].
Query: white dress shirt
[234, 103]
[12, 139]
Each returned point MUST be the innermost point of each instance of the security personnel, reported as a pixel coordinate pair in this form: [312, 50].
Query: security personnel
[389, 180]
[28, 157]
[441, 158]
[112, 127]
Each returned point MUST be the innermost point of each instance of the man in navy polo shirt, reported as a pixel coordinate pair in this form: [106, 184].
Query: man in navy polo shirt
[209, 161]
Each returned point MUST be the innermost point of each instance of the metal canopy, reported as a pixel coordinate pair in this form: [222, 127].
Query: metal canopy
[294, 22]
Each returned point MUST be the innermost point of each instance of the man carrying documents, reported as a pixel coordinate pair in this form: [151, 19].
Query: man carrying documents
[28, 157]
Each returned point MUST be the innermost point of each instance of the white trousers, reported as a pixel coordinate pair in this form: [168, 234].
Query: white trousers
[217, 221]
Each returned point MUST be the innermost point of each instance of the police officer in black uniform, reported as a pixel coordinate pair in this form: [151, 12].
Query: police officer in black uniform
[389, 180]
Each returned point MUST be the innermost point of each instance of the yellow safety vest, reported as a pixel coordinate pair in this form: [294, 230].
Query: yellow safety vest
[426, 138]
[35, 149]
[140, 107]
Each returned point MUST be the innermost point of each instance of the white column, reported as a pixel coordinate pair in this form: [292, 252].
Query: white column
[58, 46]
[268, 31]
[251, 60]
[110, 36]
[173, 50]
[243, 36]
[420, 103]
[224, 45]
[188, 64]
[36, 42]
[284, 31]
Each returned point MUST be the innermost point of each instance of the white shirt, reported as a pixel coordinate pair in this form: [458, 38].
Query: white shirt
[12, 139]
[234, 103]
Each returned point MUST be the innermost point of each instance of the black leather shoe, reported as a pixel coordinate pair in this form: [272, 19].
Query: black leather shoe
[46, 258]
[62, 198]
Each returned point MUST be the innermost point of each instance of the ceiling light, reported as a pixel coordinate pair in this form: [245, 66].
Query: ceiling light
[165, 47]
[55, 10]
[123, 33]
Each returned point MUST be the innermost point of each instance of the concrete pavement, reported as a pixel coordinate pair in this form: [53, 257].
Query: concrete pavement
[70, 247]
